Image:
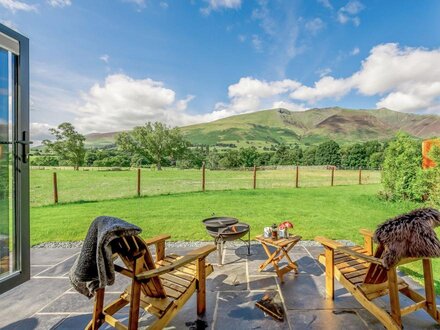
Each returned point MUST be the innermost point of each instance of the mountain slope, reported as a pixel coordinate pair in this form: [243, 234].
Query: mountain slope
[267, 127]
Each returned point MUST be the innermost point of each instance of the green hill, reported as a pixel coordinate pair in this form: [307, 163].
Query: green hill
[267, 127]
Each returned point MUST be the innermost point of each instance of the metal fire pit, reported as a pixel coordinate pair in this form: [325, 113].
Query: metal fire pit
[224, 229]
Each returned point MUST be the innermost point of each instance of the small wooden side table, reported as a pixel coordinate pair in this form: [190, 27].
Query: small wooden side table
[283, 246]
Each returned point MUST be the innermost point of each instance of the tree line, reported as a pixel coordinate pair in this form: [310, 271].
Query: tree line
[155, 144]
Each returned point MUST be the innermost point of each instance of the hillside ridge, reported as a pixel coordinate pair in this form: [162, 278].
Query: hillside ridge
[273, 126]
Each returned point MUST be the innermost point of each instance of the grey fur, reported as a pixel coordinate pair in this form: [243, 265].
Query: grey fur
[94, 267]
[409, 235]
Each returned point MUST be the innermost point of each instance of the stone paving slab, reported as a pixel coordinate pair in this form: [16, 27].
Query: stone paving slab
[49, 302]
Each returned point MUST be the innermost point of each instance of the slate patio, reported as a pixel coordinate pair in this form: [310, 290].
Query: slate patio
[48, 302]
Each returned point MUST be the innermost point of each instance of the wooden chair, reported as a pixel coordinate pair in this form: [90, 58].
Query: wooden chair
[160, 287]
[362, 273]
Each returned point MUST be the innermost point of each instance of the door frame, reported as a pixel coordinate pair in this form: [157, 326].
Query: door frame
[20, 159]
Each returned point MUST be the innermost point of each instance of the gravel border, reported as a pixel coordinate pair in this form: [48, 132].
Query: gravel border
[173, 244]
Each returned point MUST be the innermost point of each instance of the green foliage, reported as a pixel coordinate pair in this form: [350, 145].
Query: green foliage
[402, 169]
[309, 157]
[154, 141]
[230, 159]
[328, 153]
[68, 145]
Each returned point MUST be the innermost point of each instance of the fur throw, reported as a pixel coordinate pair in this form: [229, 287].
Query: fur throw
[409, 235]
[94, 267]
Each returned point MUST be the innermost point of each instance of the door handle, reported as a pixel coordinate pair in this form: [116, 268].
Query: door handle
[25, 143]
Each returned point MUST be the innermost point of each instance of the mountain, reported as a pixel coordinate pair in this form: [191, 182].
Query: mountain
[267, 127]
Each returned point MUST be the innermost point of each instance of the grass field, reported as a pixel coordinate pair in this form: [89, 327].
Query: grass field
[93, 185]
[335, 212]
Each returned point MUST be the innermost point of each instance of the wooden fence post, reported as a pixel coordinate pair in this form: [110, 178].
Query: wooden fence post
[55, 188]
[139, 182]
[297, 177]
[255, 177]
[360, 175]
[203, 176]
[333, 175]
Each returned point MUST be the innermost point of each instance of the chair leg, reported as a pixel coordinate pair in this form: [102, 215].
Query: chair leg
[430, 290]
[133, 318]
[201, 287]
[394, 296]
[329, 273]
[97, 310]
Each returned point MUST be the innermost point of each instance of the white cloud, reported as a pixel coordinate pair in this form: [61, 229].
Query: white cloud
[406, 79]
[324, 72]
[105, 58]
[326, 87]
[213, 5]
[16, 5]
[257, 43]
[280, 25]
[251, 94]
[348, 13]
[315, 25]
[40, 132]
[122, 102]
[241, 38]
[355, 51]
[326, 3]
[164, 4]
[59, 3]
[289, 106]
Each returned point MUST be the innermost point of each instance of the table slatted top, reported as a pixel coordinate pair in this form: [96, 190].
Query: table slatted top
[281, 242]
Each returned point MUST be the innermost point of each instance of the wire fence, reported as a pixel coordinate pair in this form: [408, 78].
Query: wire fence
[51, 185]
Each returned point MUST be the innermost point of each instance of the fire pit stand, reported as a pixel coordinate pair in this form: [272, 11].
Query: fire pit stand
[224, 229]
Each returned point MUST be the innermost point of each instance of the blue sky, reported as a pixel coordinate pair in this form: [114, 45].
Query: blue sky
[107, 65]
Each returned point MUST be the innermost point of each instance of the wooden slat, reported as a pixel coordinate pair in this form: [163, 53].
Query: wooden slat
[182, 275]
[175, 279]
[356, 273]
[172, 285]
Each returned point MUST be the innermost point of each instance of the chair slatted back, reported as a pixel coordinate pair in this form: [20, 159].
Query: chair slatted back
[376, 274]
[130, 247]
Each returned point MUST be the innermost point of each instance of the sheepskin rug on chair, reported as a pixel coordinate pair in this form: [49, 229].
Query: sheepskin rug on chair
[409, 235]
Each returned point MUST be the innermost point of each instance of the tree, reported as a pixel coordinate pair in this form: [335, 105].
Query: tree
[354, 155]
[248, 156]
[402, 173]
[309, 157]
[154, 141]
[68, 144]
[328, 153]
[230, 159]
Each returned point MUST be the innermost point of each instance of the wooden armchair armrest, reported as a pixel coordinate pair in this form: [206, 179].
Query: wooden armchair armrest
[366, 232]
[333, 245]
[159, 242]
[368, 258]
[157, 239]
[193, 255]
[329, 243]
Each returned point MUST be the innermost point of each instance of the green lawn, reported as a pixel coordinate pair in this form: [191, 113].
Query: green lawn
[93, 185]
[335, 212]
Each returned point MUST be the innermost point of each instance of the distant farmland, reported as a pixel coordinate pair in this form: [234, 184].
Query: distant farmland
[92, 184]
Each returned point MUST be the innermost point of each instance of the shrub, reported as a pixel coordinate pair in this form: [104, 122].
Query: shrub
[402, 176]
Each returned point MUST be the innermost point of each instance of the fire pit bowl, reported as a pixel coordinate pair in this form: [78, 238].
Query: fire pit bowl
[229, 233]
[224, 229]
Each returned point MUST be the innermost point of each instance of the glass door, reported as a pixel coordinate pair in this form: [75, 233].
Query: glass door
[14, 168]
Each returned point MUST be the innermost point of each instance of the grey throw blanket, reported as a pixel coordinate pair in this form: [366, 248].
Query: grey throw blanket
[409, 235]
[94, 267]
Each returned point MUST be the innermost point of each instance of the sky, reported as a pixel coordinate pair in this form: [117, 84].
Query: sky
[110, 65]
